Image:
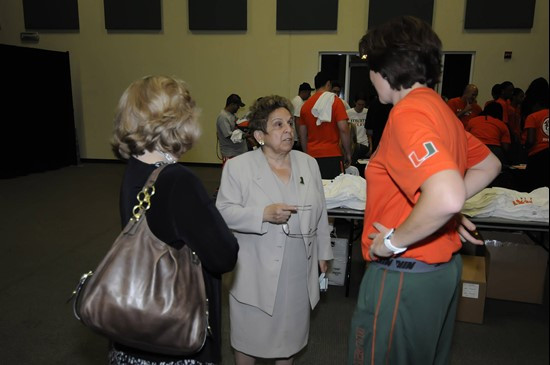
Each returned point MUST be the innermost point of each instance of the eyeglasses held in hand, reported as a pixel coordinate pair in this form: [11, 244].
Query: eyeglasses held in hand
[286, 230]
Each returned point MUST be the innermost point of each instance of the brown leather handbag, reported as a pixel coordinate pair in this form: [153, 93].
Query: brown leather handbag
[146, 294]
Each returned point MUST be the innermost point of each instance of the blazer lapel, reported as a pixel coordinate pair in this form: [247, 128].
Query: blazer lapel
[264, 178]
[303, 181]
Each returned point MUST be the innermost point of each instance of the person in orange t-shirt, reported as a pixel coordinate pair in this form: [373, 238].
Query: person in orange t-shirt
[495, 93]
[466, 107]
[321, 138]
[491, 130]
[424, 169]
[514, 114]
[507, 89]
[536, 126]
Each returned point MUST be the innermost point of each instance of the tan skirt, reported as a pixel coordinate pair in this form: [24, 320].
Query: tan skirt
[256, 333]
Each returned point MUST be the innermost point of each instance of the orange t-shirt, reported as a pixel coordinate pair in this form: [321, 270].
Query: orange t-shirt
[489, 130]
[457, 104]
[505, 111]
[422, 137]
[539, 121]
[323, 140]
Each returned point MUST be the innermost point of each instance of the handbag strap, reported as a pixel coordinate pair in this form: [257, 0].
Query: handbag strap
[148, 190]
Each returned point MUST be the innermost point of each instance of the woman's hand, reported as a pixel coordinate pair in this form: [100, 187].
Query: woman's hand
[278, 213]
[467, 230]
[323, 265]
[378, 248]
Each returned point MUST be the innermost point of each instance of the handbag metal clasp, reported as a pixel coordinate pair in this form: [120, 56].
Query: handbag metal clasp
[76, 291]
[195, 258]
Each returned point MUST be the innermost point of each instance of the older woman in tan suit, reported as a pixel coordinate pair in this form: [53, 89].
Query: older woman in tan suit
[273, 200]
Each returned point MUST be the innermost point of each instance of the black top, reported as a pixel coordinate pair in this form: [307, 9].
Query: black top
[182, 213]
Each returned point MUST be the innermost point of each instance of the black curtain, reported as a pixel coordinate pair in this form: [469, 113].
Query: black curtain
[39, 134]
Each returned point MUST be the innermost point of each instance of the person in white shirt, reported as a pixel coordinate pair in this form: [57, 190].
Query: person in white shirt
[230, 143]
[304, 92]
[357, 116]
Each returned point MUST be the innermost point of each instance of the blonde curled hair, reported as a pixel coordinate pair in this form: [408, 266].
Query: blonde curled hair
[155, 113]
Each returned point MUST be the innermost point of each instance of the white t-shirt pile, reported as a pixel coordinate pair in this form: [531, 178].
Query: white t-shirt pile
[346, 191]
[358, 119]
[509, 204]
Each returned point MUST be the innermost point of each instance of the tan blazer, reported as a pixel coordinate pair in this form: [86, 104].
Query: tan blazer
[247, 187]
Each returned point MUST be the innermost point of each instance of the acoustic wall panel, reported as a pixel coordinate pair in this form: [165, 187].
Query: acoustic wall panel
[51, 14]
[381, 11]
[307, 14]
[133, 14]
[217, 14]
[499, 14]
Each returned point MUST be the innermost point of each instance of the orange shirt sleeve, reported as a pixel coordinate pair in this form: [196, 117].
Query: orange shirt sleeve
[531, 121]
[452, 103]
[338, 110]
[477, 151]
[418, 153]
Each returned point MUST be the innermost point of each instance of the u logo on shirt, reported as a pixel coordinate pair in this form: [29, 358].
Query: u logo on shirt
[430, 151]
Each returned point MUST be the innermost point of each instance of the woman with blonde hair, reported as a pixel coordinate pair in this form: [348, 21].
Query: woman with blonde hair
[155, 124]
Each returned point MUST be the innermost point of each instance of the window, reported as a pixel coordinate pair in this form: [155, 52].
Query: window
[353, 74]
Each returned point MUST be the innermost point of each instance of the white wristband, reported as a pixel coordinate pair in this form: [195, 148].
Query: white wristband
[389, 246]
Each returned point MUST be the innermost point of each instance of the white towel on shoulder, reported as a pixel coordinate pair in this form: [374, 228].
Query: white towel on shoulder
[322, 109]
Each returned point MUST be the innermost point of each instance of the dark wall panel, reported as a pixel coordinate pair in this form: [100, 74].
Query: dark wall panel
[381, 11]
[307, 14]
[499, 14]
[133, 14]
[217, 14]
[51, 14]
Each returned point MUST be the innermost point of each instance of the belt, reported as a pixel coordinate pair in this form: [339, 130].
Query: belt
[407, 265]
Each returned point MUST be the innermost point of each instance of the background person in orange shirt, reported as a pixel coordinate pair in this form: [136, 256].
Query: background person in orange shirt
[537, 87]
[516, 155]
[515, 113]
[322, 140]
[536, 127]
[466, 107]
[425, 167]
[506, 92]
[495, 93]
[491, 130]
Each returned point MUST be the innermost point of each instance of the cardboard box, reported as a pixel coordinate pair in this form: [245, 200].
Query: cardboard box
[473, 285]
[337, 271]
[516, 267]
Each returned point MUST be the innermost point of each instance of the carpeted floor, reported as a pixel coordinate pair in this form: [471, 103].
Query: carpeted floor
[58, 224]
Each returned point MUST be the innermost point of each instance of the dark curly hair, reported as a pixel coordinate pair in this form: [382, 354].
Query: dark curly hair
[260, 110]
[404, 50]
[493, 109]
